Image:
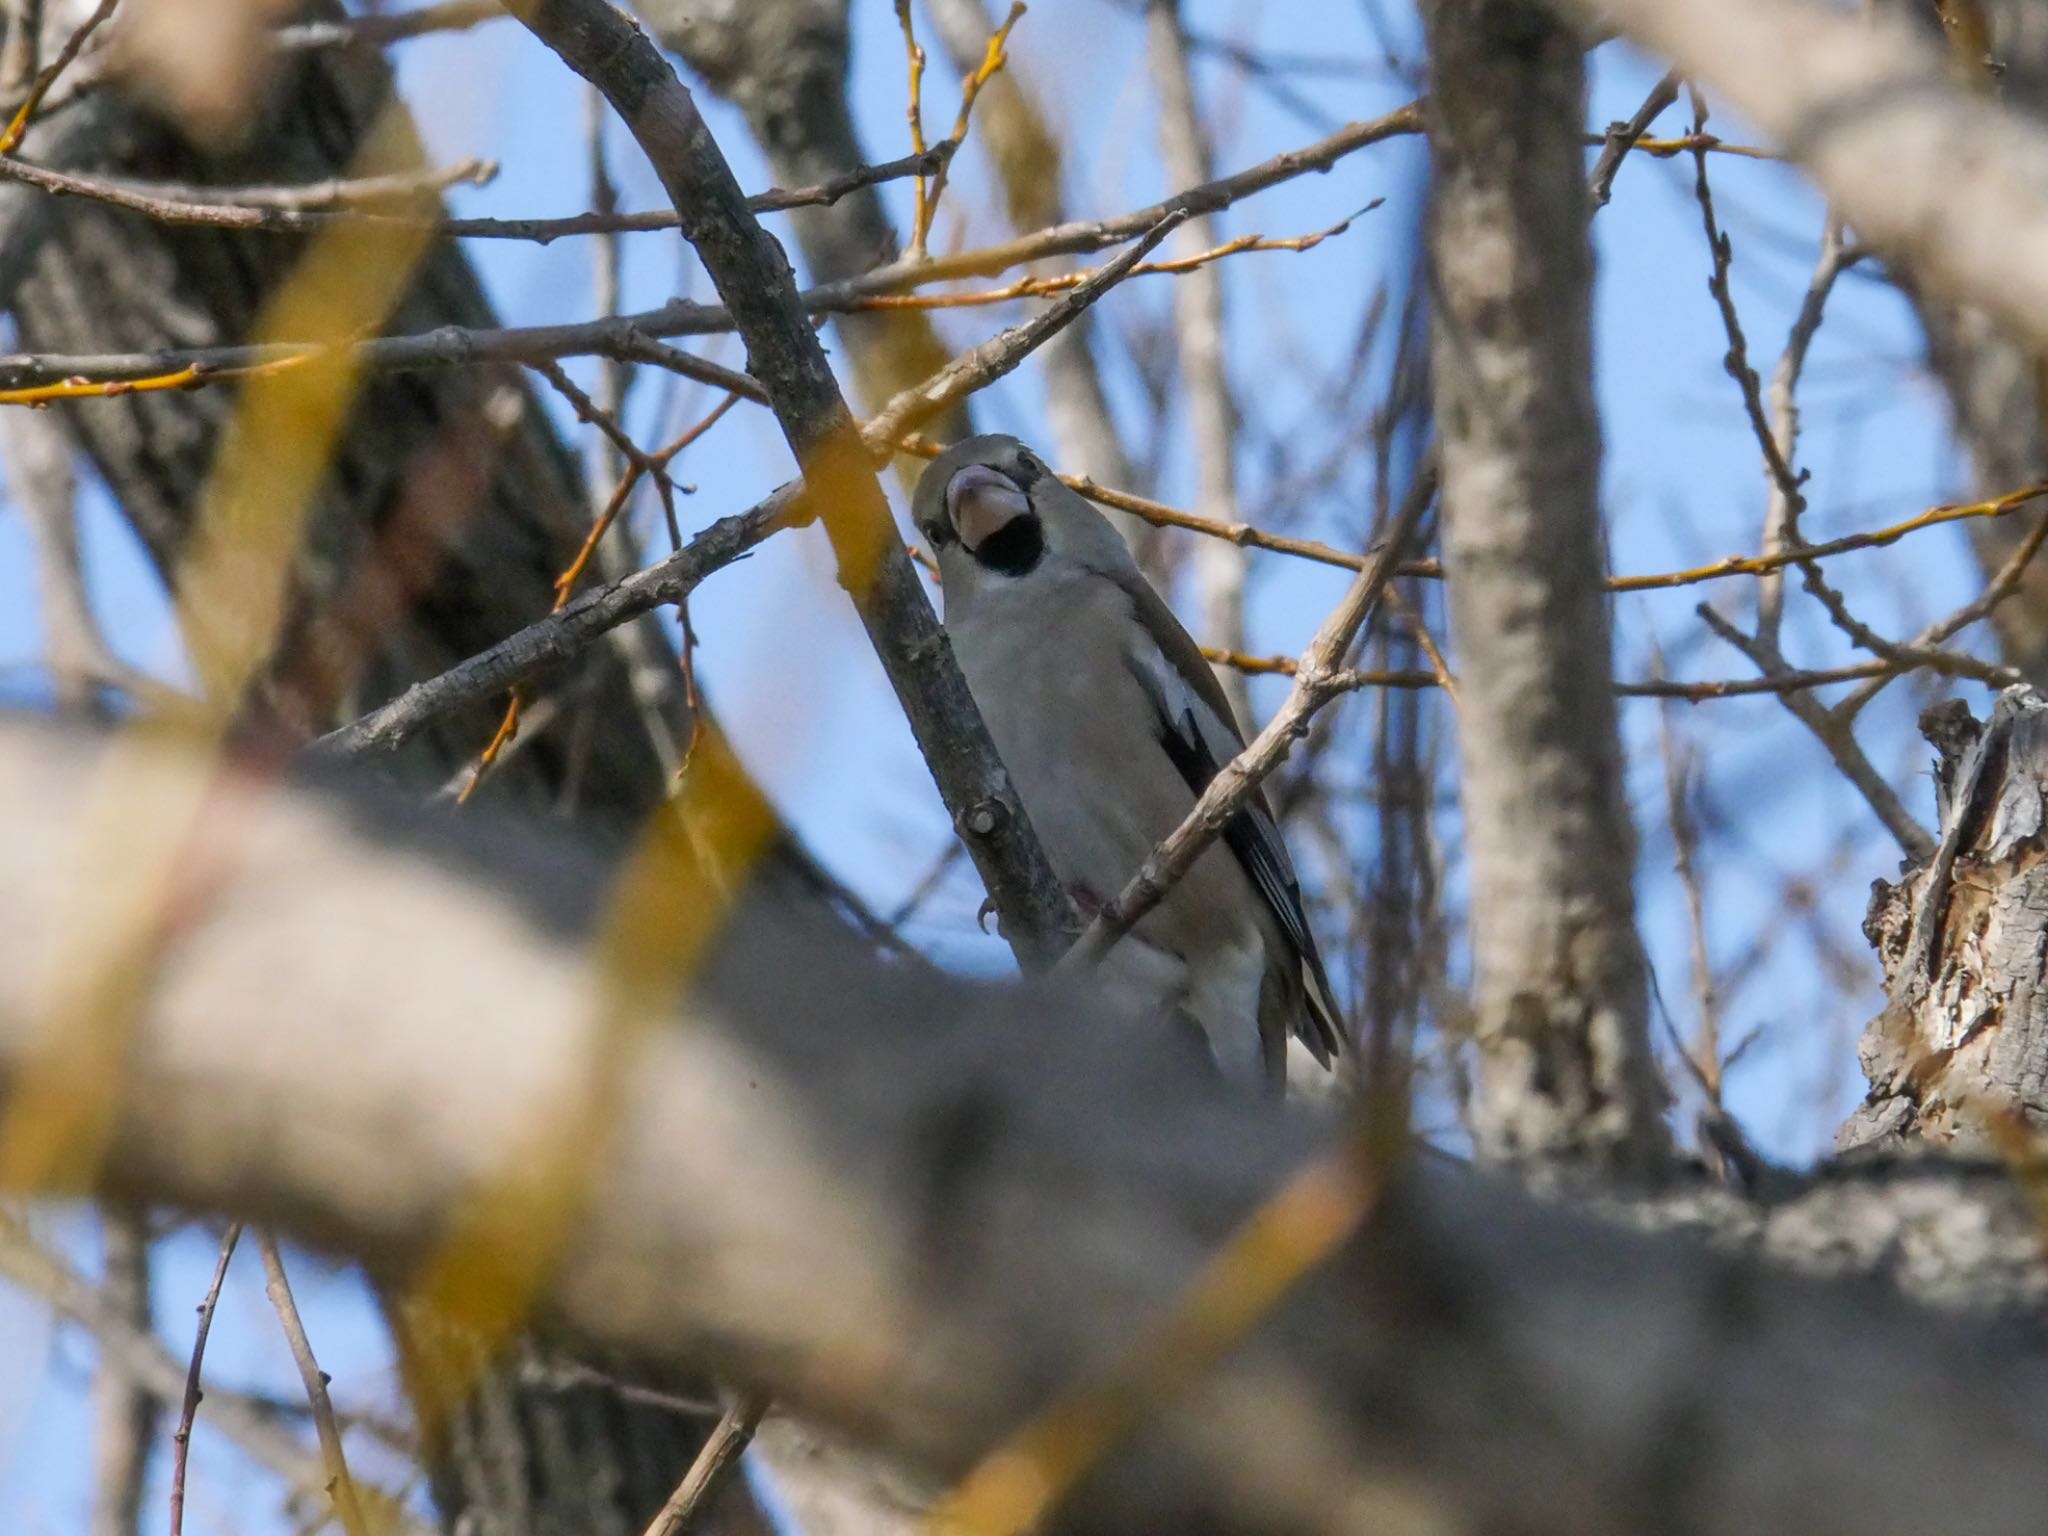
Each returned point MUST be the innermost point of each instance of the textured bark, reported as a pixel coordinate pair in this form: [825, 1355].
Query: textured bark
[448, 511]
[1217, 569]
[923, 1208]
[783, 63]
[1958, 1059]
[1564, 1056]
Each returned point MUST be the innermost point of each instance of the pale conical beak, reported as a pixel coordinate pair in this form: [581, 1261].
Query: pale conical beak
[982, 501]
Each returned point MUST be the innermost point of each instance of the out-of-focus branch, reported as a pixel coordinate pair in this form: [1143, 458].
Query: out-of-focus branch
[841, 491]
[1565, 1067]
[1935, 177]
[783, 63]
[42, 488]
[1028, 163]
[797, 1153]
[1218, 570]
[124, 1411]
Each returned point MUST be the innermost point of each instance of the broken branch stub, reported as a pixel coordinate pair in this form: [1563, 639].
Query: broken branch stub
[1958, 1058]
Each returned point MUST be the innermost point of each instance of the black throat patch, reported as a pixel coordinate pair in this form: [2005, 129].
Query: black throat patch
[1015, 548]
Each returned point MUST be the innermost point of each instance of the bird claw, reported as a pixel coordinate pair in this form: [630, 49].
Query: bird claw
[984, 912]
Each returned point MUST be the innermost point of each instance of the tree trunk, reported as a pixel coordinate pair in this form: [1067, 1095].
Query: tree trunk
[1564, 1055]
[1958, 1059]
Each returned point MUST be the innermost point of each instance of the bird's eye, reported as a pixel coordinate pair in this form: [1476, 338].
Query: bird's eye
[1028, 469]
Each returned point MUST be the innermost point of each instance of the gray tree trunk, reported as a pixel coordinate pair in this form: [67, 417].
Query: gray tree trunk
[1564, 1062]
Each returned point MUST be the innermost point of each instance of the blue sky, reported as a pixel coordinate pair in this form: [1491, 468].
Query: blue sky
[797, 687]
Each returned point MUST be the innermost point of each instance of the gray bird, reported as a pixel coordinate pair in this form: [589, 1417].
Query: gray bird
[1111, 723]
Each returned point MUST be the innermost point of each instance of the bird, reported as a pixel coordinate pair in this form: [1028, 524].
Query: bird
[1111, 724]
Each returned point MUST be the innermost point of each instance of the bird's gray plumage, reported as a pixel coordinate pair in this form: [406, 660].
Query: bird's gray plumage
[1110, 724]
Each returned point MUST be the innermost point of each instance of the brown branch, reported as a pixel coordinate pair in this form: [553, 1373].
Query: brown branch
[181, 1441]
[1001, 354]
[290, 210]
[10, 140]
[719, 1455]
[784, 353]
[579, 623]
[1835, 735]
[564, 635]
[341, 1488]
[1620, 138]
[250, 1423]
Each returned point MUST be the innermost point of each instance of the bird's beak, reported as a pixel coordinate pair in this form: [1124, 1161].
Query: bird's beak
[981, 501]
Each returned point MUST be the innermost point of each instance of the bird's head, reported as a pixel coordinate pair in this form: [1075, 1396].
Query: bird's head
[992, 510]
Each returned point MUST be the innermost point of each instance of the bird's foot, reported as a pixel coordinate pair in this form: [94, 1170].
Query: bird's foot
[1086, 902]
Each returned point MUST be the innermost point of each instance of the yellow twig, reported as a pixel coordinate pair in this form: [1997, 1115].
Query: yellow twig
[192, 376]
[17, 130]
[920, 222]
[1062, 282]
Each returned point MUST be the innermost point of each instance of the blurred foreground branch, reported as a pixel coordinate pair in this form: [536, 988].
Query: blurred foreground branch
[916, 1206]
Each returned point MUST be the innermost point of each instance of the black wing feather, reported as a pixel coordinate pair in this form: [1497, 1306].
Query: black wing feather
[1255, 840]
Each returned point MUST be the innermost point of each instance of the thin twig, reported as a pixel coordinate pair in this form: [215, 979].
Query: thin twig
[992, 60]
[1236, 783]
[983, 365]
[341, 1487]
[1620, 138]
[920, 218]
[720, 1453]
[457, 346]
[250, 1422]
[295, 210]
[45, 78]
[1834, 735]
[181, 1441]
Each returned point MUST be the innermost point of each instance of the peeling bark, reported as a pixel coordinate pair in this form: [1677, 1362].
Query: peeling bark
[1958, 1058]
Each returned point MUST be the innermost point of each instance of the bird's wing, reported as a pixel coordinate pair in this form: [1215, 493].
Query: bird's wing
[1199, 734]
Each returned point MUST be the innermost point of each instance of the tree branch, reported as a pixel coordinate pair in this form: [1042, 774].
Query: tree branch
[916, 1206]
[784, 355]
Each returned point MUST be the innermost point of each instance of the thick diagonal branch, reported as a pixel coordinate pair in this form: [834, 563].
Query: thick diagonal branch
[918, 1206]
[784, 354]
